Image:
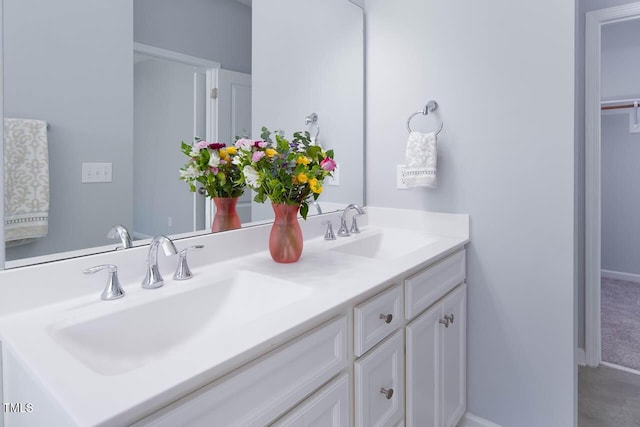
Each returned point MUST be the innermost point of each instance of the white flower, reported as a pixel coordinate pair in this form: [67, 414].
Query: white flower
[236, 160]
[251, 176]
[194, 152]
[214, 161]
[190, 173]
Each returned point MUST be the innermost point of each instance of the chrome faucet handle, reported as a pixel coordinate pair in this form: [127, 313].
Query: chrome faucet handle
[153, 279]
[182, 271]
[329, 235]
[343, 231]
[113, 290]
[354, 225]
[121, 232]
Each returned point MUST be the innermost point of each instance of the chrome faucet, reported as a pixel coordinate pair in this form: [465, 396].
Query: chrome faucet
[344, 231]
[120, 231]
[154, 279]
[317, 206]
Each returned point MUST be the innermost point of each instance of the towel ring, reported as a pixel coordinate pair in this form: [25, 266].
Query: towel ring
[429, 108]
[312, 119]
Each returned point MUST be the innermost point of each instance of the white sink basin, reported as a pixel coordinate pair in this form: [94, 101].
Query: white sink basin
[132, 337]
[387, 244]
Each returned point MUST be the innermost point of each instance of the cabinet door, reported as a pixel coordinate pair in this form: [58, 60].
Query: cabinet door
[328, 407]
[454, 362]
[379, 384]
[424, 352]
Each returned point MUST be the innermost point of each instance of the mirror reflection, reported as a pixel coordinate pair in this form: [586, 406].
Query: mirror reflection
[99, 95]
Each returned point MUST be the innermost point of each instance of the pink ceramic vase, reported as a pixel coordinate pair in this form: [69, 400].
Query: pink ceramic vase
[285, 240]
[226, 217]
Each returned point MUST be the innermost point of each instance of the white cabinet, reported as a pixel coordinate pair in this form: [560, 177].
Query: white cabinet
[436, 364]
[377, 318]
[329, 407]
[379, 384]
[267, 388]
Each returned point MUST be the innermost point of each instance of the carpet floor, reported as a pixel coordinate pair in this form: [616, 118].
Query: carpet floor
[620, 307]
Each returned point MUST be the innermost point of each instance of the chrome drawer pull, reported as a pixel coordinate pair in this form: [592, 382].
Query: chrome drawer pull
[449, 318]
[387, 393]
[445, 321]
[386, 317]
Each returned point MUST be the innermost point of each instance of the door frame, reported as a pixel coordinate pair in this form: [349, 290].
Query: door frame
[210, 68]
[593, 169]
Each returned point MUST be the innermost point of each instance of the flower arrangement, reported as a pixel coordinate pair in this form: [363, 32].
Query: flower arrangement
[215, 166]
[285, 172]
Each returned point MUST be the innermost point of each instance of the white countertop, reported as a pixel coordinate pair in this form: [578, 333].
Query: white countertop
[332, 280]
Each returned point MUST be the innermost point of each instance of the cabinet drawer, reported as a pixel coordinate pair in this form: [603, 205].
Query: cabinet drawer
[264, 390]
[379, 384]
[426, 287]
[376, 318]
[328, 407]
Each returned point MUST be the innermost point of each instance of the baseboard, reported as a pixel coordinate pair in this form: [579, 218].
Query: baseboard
[470, 420]
[618, 275]
[620, 368]
[581, 357]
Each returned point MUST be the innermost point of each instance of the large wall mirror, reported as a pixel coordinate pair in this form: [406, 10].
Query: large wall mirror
[119, 83]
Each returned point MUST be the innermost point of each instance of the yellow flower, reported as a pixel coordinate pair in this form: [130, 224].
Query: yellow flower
[302, 178]
[223, 152]
[232, 150]
[315, 186]
[303, 160]
[270, 152]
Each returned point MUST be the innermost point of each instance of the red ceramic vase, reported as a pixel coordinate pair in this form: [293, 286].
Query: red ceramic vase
[226, 217]
[285, 240]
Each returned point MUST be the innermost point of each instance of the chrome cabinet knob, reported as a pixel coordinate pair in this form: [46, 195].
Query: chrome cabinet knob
[182, 271]
[387, 393]
[445, 322]
[449, 318]
[113, 290]
[386, 317]
[202, 191]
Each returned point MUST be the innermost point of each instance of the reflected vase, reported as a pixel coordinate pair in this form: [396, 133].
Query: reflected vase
[285, 240]
[226, 217]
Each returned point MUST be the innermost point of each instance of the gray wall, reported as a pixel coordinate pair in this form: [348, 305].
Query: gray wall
[320, 69]
[164, 116]
[75, 74]
[583, 6]
[621, 60]
[218, 30]
[503, 74]
[620, 195]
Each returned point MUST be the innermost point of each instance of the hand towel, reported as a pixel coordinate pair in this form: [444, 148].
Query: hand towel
[420, 160]
[26, 178]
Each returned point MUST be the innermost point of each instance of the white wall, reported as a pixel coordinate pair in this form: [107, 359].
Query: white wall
[620, 195]
[218, 30]
[621, 60]
[305, 62]
[75, 74]
[503, 74]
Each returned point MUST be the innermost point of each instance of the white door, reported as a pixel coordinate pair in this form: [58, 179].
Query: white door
[232, 118]
[454, 362]
[424, 352]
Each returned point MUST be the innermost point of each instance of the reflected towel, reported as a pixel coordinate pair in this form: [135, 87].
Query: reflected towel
[420, 160]
[26, 178]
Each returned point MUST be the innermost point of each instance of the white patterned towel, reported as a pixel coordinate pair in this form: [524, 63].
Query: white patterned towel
[420, 160]
[26, 178]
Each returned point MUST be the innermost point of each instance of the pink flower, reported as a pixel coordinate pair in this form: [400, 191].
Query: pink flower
[223, 162]
[201, 144]
[328, 164]
[215, 170]
[244, 144]
[257, 156]
[260, 144]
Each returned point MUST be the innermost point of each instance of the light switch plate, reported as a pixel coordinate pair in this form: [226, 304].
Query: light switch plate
[97, 172]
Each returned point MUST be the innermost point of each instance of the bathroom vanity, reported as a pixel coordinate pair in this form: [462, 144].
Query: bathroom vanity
[365, 330]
